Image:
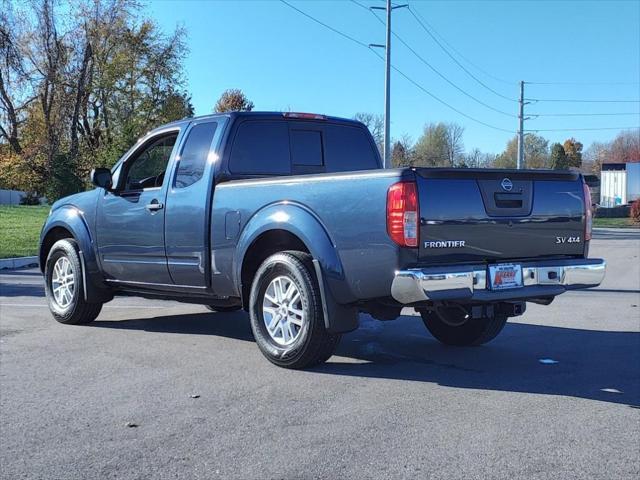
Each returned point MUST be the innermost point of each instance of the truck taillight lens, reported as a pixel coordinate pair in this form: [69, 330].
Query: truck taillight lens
[588, 215]
[403, 214]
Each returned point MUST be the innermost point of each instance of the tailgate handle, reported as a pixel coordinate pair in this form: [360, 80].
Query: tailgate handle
[508, 200]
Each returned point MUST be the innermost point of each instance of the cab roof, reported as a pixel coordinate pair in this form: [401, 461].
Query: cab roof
[297, 116]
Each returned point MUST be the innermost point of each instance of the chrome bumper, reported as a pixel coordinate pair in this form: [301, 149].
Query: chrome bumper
[469, 282]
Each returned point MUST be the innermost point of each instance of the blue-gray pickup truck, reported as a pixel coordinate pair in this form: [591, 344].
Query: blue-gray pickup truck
[291, 217]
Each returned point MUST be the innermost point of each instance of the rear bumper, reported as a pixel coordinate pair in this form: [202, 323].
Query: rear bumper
[470, 282]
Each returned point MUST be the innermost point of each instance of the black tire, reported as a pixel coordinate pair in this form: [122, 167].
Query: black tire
[313, 344]
[476, 331]
[223, 308]
[77, 311]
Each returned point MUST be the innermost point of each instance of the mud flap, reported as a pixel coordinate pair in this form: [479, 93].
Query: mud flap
[94, 292]
[337, 318]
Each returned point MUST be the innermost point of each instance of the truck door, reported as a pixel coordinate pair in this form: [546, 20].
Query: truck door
[130, 219]
[187, 224]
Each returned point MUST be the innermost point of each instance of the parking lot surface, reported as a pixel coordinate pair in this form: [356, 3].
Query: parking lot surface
[163, 390]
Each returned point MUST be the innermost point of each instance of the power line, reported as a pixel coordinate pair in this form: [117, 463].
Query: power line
[511, 82]
[480, 69]
[423, 89]
[581, 114]
[413, 14]
[416, 84]
[362, 44]
[584, 83]
[348, 37]
[435, 70]
[581, 129]
[579, 100]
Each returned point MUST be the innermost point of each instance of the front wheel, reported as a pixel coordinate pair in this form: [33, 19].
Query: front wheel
[460, 331]
[286, 312]
[64, 285]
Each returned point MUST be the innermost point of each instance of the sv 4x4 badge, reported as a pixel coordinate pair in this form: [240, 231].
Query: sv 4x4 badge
[567, 239]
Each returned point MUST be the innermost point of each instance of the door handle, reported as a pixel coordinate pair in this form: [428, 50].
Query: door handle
[154, 206]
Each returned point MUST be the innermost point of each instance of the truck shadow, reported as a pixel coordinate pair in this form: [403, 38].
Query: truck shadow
[589, 361]
[231, 325]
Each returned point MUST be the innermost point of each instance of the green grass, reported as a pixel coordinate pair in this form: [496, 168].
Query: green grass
[614, 223]
[20, 230]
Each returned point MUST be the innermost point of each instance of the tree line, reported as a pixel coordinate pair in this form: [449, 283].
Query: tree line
[441, 145]
[79, 83]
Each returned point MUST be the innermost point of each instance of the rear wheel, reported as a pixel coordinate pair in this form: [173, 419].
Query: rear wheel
[64, 285]
[286, 312]
[453, 328]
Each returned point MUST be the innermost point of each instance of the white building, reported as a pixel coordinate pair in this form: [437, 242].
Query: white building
[619, 183]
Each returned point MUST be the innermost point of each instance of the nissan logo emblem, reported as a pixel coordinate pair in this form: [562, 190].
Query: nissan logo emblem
[506, 185]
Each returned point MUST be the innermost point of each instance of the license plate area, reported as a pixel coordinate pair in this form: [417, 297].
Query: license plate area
[504, 276]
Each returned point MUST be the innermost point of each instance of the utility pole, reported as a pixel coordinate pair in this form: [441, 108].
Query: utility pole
[386, 154]
[387, 92]
[520, 159]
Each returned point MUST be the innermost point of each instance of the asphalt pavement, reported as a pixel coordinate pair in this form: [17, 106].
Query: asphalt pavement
[159, 390]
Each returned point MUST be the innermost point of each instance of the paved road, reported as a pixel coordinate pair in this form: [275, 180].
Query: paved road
[392, 403]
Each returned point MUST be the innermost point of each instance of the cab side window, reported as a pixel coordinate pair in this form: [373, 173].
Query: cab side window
[261, 148]
[148, 168]
[195, 152]
[349, 149]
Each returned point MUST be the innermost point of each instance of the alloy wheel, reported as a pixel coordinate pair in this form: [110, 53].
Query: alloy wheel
[63, 282]
[282, 311]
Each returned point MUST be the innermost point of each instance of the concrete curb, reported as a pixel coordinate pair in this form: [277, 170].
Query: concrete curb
[19, 262]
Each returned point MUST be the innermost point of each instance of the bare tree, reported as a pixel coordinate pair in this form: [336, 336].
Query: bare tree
[375, 124]
[50, 64]
[454, 146]
[78, 84]
[473, 159]
[12, 78]
[402, 152]
[440, 145]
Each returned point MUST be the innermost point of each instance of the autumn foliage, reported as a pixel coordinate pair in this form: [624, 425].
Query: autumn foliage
[233, 100]
[635, 211]
[79, 83]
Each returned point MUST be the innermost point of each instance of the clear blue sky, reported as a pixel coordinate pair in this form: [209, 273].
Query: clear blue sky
[283, 60]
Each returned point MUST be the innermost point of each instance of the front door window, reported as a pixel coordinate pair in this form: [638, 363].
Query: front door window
[147, 169]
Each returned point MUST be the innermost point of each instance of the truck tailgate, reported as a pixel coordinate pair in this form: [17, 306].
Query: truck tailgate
[495, 215]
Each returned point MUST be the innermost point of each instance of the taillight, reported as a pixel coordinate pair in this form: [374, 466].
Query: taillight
[403, 214]
[588, 215]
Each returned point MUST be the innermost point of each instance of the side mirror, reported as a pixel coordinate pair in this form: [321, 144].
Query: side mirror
[101, 177]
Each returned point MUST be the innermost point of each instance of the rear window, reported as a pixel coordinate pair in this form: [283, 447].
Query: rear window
[261, 148]
[306, 148]
[348, 148]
